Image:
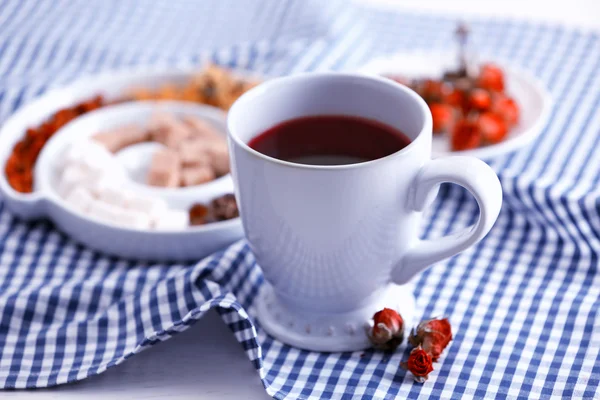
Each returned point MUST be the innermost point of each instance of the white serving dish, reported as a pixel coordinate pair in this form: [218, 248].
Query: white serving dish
[533, 99]
[192, 243]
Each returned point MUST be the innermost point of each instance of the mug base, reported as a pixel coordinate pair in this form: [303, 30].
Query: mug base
[330, 332]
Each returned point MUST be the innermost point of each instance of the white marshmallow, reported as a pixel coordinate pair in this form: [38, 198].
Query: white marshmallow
[119, 216]
[171, 220]
[113, 195]
[91, 182]
[105, 212]
[94, 159]
[83, 150]
[98, 186]
[148, 205]
[134, 219]
[113, 213]
[80, 199]
[71, 177]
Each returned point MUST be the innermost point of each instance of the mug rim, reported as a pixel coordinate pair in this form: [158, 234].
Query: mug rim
[274, 83]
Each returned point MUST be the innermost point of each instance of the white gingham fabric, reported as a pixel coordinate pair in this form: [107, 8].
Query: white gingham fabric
[524, 303]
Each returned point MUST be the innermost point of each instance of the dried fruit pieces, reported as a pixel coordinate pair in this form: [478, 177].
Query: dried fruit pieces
[507, 108]
[20, 164]
[491, 127]
[224, 207]
[196, 175]
[465, 135]
[121, 137]
[164, 169]
[221, 208]
[198, 214]
[443, 117]
[430, 338]
[491, 78]
[469, 104]
[194, 152]
[202, 151]
[473, 111]
[167, 129]
[214, 86]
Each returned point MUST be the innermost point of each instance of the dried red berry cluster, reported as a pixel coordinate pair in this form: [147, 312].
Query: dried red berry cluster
[19, 166]
[430, 338]
[474, 110]
[221, 208]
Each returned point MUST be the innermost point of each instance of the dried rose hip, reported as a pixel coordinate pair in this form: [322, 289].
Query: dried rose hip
[431, 90]
[388, 329]
[507, 108]
[220, 209]
[492, 127]
[443, 117]
[433, 335]
[465, 135]
[461, 96]
[491, 78]
[455, 98]
[224, 207]
[419, 363]
[480, 100]
[198, 214]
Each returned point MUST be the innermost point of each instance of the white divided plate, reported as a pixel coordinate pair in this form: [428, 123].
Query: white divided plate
[533, 99]
[188, 244]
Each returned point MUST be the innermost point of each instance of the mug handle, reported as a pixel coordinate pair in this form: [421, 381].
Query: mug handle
[479, 179]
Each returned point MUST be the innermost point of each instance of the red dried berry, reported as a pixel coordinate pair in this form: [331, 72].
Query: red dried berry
[465, 135]
[443, 117]
[432, 88]
[480, 100]
[507, 108]
[492, 127]
[455, 98]
[224, 207]
[433, 91]
[491, 78]
[198, 214]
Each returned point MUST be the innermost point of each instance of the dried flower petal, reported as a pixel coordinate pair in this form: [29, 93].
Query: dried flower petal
[419, 363]
[433, 335]
[388, 329]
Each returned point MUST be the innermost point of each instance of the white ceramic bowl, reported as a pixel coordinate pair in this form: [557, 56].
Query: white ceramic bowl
[533, 99]
[48, 165]
[192, 243]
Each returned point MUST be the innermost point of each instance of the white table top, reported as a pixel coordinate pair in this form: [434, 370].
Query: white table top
[206, 362]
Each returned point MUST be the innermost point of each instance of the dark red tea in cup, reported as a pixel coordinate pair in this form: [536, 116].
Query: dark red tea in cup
[329, 140]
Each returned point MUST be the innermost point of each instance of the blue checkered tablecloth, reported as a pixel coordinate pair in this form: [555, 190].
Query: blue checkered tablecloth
[524, 303]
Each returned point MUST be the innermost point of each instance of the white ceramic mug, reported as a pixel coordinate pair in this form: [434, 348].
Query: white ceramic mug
[335, 241]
